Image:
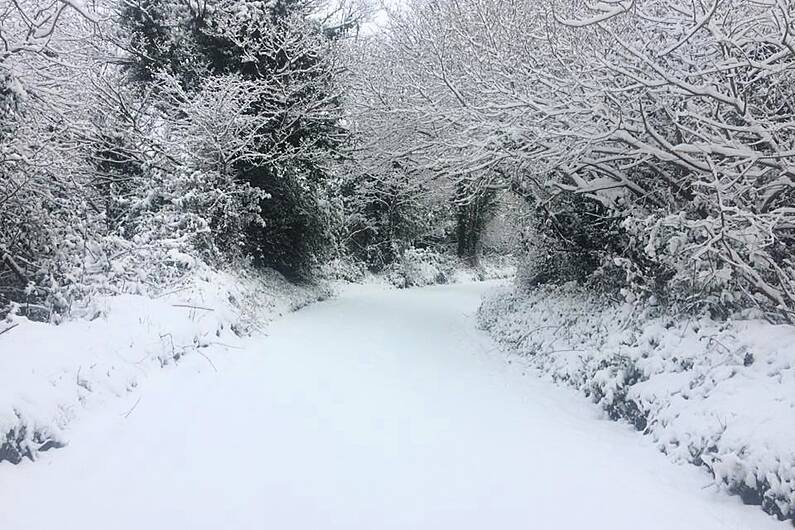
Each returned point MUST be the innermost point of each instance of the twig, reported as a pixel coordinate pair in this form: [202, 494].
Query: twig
[193, 307]
[9, 328]
[208, 360]
[15, 268]
[133, 407]
[175, 291]
[227, 345]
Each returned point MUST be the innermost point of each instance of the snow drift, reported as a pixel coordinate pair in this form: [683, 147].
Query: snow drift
[49, 373]
[716, 394]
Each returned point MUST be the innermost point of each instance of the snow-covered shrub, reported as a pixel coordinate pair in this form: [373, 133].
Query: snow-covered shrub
[566, 244]
[344, 269]
[49, 212]
[139, 204]
[575, 238]
[390, 212]
[419, 267]
[716, 393]
[187, 187]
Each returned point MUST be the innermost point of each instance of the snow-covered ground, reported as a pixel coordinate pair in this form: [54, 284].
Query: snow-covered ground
[376, 410]
[718, 394]
[50, 374]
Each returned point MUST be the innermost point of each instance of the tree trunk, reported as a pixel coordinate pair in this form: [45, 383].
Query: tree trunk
[472, 213]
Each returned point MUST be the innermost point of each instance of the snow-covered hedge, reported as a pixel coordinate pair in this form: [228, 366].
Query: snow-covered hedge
[716, 394]
[421, 267]
[343, 269]
[48, 373]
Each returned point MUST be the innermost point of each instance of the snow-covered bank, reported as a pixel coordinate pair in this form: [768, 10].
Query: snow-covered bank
[49, 374]
[717, 394]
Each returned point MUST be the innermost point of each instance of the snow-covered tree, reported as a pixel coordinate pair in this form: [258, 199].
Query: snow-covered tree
[661, 127]
[46, 206]
[289, 60]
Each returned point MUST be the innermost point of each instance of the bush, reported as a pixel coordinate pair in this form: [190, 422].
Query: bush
[386, 215]
[420, 267]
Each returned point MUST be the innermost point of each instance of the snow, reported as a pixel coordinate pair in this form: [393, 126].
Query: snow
[49, 374]
[379, 409]
[717, 394]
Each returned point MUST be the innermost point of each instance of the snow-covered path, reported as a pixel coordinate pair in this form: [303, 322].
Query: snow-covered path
[377, 410]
